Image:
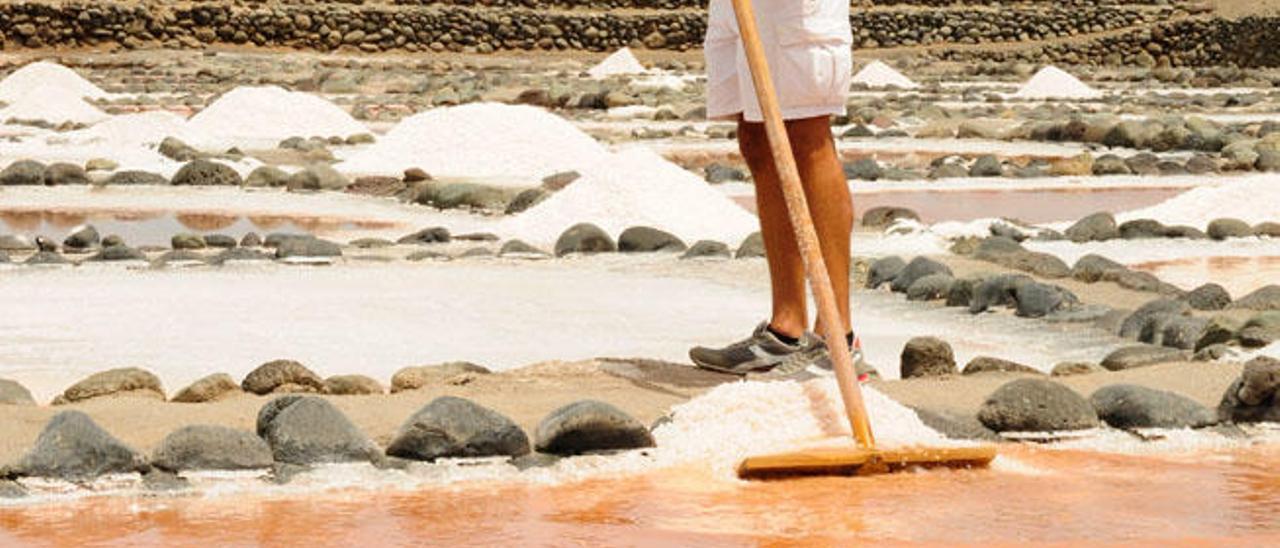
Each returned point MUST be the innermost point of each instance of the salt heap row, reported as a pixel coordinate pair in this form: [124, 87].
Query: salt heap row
[1054, 83]
[480, 140]
[620, 62]
[266, 115]
[635, 187]
[880, 75]
[51, 93]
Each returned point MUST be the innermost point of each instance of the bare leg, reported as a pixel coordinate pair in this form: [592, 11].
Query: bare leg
[829, 202]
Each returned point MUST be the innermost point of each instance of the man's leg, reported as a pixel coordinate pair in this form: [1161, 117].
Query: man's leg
[827, 192]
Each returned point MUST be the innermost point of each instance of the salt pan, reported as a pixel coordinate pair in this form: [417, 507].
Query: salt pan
[264, 116]
[53, 104]
[44, 74]
[631, 188]
[1054, 83]
[880, 75]
[620, 62]
[480, 140]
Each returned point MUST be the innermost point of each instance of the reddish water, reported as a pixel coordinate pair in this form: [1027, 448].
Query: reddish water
[1240, 275]
[1033, 206]
[1064, 497]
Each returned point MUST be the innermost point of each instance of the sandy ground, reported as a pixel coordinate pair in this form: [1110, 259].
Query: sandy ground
[645, 389]
[1243, 8]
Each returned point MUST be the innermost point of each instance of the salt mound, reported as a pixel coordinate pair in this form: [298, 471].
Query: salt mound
[737, 420]
[1250, 199]
[880, 75]
[269, 114]
[479, 140]
[53, 104]
[142, 128]
[1054, 83]
[620, 62]
[43, 74]
[631, 188]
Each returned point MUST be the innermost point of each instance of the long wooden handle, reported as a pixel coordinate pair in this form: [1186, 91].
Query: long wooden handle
[802, 223]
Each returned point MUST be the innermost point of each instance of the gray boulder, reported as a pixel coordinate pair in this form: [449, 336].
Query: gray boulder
[1098, 227]
[65, 174]
[884, 270]
[1094, 268]
[464, 195]
[1037, 300]
[307, 247]
[1184, 332]
[584, 238]
[206, 173]
[1253, 396]
[520, 248]
[432, 235]
[24, 173]
[451, 427]
[175, 149]
[130, 381]
[12, 393]
[136, 177]
[986, 364]
[986, 165]
[267, 176]
[1141, 319]
[220, 241]
[927, 357]
[526, 199]
[1142, 229]
[204, 447]
[281, 376]
[643, 239]
[211, 388]
[72, 447]
[187, 240]
[317, 177]
[413, 378]
[1264, 298]
[1209, 296]
[751, 247]
[1036, 405]
[716, 173]
[1110, 164]
[865, 169]
[930, 288]
[352, 385]
[1260, 330]
[919, 267]
[1222, 229]
[707, 249]
[1131, 406]
[117, 253]
[238, 254]
[1067, 369]
[1142, 355]
[961, 291]
[14, 242]
[955, 426]
[997, 291]
[309, 430]
[83, 237]
[588, 426]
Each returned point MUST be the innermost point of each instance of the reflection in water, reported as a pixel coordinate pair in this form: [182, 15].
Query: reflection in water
[1031, 495]
[157, 227]
[1239, 275]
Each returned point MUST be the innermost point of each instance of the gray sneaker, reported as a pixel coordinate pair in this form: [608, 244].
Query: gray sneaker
[762, 351]
[818, 367]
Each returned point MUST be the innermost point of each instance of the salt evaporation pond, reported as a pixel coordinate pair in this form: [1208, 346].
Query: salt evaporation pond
[356, 318]
[1218, 497]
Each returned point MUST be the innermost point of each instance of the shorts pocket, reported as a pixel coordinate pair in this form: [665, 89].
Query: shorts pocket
[818, 58]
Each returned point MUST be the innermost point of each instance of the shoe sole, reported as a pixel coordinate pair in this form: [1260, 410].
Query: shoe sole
[727, 371]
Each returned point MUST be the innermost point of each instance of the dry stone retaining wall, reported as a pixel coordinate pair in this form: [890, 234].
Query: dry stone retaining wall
[1124, 34]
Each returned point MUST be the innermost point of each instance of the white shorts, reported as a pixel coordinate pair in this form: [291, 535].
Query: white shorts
[809, 46]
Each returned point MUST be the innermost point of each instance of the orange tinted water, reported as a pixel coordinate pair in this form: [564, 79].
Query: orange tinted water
[1239, 275]
[1067, 497]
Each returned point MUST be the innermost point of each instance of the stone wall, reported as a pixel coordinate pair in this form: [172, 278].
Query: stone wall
[1091, 32]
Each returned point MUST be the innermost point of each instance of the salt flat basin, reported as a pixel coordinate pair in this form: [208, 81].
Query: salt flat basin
[373, 319]
[1217, 497]
[1032, 205]
[1239, 275]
